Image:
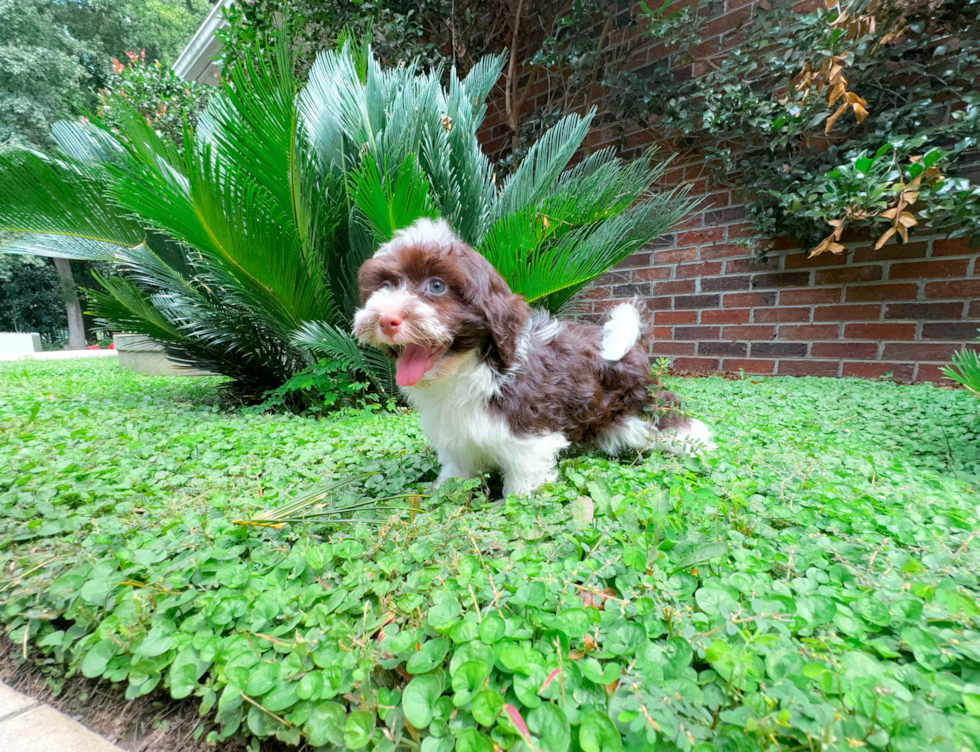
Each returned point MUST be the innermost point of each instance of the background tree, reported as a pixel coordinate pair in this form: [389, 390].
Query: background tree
[54, 56]
[41, 73]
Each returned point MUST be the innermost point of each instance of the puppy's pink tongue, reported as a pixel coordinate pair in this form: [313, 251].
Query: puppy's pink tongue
[412, 364]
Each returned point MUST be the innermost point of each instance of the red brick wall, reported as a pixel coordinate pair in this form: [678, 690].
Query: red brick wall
[712, 305]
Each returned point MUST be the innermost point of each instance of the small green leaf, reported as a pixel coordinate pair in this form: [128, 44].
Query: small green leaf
[598, 734]
[326, 725]
[358, 728]
[419, 698]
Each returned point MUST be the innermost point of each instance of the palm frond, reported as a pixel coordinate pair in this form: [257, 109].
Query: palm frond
[62, 246]
[53, 197]
[543, 164]
[390, 204]
[965, 370]
[320, 337]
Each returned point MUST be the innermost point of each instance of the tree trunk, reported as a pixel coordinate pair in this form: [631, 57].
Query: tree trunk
[69, 293]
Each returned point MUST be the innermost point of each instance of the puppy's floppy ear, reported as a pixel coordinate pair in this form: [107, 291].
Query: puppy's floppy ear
[504, 312]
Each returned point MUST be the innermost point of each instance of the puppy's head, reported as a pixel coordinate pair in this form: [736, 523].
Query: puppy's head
[429, 299]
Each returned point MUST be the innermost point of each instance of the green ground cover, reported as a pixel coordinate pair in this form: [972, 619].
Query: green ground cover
[811, 586]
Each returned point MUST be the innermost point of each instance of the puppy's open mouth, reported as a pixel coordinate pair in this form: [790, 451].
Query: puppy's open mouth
[415, 361]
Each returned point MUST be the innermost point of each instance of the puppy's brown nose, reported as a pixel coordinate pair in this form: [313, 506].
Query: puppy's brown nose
[389, 323]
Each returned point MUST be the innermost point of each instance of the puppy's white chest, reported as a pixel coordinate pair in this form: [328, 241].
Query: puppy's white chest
[454, 412]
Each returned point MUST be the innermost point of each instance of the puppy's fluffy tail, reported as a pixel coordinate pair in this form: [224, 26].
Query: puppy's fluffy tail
[620, 332]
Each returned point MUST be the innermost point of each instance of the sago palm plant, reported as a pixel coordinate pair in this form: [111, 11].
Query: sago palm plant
[239, 251]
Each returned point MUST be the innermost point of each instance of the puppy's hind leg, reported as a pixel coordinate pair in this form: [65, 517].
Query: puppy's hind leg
[631, 434]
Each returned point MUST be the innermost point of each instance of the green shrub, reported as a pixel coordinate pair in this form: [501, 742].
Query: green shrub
[800, 99]
[326, 385]
[240, 253]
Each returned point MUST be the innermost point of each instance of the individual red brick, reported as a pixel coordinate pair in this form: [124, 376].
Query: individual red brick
[726, 23]
[870, 312]
[697, 301]
[724, 284]
[863, 293]
[847, 274]
[956, 331]
[660, 332]
[631, 262]
[676, 317]
[890, 252]
[700, 237]
[656, 304]
[723, 215]
[703, 269]
[783, 279]
[596, 293]
[779, 315]
[951, 247]
[722, 348]
[631, 290]
[929, 269]
[674, 287]
[799, 260]
[779, 349]
[919, 351]
[784, 243]
[749, 299]
[738, 231]
[726, 316]
[857, 350]
[960, 288]
[650, 275]
[899, 371]
[879, 331]
[809, 332]
[974, 311]
[809, 296]
[733, 365]
[748, 332]
[664, 241]
[924, 311]
[808, 367]
[695, 365]
[675, 256]
[723, 251]
[747, 265]
[671, 348]
[696, 332]
[613, 278]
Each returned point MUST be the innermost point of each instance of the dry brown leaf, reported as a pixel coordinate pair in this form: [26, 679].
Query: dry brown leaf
[836, 93]
[833, 118]
[885, 237]
[828, 244]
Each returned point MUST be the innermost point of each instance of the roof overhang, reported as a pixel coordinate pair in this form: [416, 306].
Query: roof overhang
[196, 61]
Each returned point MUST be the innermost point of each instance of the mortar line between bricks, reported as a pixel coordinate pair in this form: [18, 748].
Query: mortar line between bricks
[19, 711]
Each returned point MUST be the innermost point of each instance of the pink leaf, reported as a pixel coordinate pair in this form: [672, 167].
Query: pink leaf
[551, 678]
[515, 718]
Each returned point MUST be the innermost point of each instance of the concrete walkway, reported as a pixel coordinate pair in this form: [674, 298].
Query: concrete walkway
[62, 355]
[27, 725]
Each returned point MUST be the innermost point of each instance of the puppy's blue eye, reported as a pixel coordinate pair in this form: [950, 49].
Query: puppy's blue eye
[386, 285]
[437, 286]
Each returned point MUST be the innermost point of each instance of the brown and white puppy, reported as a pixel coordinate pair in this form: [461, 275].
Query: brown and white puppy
[497, 384]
